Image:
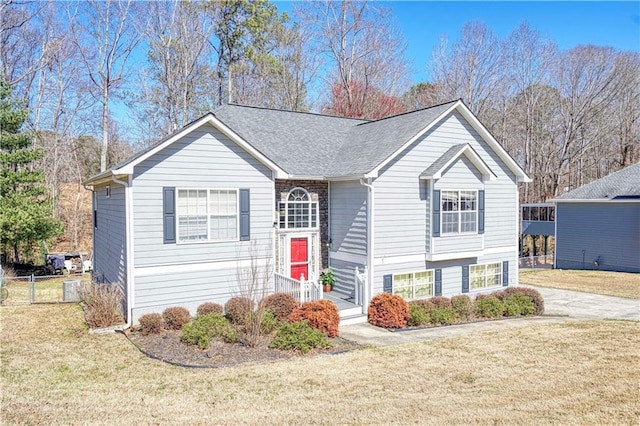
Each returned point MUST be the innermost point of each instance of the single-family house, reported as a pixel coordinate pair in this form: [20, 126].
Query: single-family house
[598, 224]
[419, 204]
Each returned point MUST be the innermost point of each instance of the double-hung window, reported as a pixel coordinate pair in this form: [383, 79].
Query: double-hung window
[207, 215]
[459, 212]
[413, 285]
[485, 276]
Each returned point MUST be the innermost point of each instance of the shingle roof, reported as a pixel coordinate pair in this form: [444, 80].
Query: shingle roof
[437, 165]
[621, 184]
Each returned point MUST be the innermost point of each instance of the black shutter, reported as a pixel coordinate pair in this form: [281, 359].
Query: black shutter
[169, 214]
[481, 212]
[505, 273]
[435, 208]
[438, 282]
[387, 283]
[245, 215]
[95, 219]
[465, 278]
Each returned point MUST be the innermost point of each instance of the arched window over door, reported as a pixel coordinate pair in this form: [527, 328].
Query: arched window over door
[299, 211]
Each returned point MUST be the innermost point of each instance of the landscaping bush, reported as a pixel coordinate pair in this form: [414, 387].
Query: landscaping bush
[282, 304]
[442, 316]
[175, 317]
[534, 295]
[298, 336]
[238, 309]
[102, 304]
[418, 315]
[320, 314]
[269, 321]
[463, 308]
[517, 304]
[389, 311]
[151, 324]
[440, 302]
[208, 307]
[204, 328]
[489, 306]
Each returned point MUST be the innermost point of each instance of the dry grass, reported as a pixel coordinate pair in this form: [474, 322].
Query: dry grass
[53, 372]
[601, 282]
[48, 290]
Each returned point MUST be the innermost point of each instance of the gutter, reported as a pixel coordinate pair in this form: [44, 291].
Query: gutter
[368, 291]
[128, 202]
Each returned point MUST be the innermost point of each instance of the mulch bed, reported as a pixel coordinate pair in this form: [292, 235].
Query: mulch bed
[167, 347]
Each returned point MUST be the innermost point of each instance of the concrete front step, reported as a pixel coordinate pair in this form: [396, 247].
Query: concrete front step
[353, 319]
[349, 312]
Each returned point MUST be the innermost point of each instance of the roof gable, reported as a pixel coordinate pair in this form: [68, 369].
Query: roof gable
[438, 167]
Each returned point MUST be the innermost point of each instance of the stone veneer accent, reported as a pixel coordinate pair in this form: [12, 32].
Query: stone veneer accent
[321, 188]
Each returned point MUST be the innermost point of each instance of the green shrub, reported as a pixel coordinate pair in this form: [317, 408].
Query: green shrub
[489, 306]
[282, 304]
[151, 324]
[442, 316]
[389, 311]
[208, 307]
[238, 309]
[299, 336]
[516, 304]
[463, 308]
[176, 317]
[440, 302]
[532, 294]
[320, 314]
[418, 315]
[203, 329]
[269, 321]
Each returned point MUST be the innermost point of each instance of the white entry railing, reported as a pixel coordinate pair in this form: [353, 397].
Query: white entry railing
[302, 290]
[359, 282]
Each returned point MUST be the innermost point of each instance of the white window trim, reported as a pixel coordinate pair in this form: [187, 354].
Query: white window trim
[208, 240]
[286, 210]
[413, 283]
[486, 287]
[459, 212]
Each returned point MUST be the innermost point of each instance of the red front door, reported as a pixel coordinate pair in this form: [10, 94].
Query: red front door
[299, 258]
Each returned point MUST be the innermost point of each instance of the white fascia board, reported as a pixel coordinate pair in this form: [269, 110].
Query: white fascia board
[215, 122]
[521, 176]
[375, 172]
[475, 159]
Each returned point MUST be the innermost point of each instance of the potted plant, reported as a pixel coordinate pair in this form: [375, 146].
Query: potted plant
[327, 278]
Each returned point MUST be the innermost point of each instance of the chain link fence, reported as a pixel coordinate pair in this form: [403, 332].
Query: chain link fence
[43, 289]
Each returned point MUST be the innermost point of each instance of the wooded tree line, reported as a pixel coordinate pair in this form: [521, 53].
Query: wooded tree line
[102, 79]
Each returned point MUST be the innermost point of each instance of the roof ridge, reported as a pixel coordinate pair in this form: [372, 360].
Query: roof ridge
[294, 112]
[410, 112]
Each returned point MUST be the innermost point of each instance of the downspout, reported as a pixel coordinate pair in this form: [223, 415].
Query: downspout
[129, 243]
[368, 291]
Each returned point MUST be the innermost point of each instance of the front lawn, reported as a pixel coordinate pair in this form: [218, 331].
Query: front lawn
[601, 282]
[54, 372]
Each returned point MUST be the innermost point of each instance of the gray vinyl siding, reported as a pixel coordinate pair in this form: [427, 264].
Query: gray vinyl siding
[345, 275]
[348, 217]
[403, 213]
[110, 250]
[206, 159]
[609, 232]
[451, 272]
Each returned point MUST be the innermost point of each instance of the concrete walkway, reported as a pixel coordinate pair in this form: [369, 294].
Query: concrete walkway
[560, 306]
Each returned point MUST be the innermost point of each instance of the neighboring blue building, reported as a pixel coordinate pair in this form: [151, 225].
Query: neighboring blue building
[598, 224]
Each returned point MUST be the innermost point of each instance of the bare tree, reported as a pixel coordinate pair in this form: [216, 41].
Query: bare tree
[104, 36]
[363, 52]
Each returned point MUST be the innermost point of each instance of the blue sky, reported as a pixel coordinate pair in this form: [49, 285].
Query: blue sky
[569, 24]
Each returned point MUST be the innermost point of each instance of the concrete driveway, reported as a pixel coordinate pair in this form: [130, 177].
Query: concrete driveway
[579, 305]
[560, 306]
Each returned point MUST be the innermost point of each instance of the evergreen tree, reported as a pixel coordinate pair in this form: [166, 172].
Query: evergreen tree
[26, 214]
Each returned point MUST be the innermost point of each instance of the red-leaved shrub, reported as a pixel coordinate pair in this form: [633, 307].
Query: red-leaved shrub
[176, 317]
[388, 311]
[320, 314]
[281, 304]
[151, 324]
[238, 309]
[208, 307]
